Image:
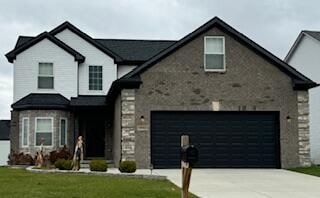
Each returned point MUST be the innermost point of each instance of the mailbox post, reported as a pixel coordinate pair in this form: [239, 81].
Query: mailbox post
[189, 156]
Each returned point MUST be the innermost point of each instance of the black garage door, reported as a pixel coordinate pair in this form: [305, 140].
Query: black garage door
[224, 139]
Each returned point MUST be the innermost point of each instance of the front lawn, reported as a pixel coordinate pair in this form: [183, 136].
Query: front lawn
[313, 170]
[20, 183]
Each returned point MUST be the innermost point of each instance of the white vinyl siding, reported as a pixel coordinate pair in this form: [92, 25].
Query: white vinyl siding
[63, 131]
[25, 132]
[95, 77]
[45, 76]
[44, 131]
[93, 56]
[26, 70]
[214, 53]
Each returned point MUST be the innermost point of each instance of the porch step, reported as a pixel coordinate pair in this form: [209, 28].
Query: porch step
[86, 164]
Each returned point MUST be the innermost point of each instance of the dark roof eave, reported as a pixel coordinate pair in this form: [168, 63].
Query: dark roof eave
[301, 85]
[45, 35]
[41, 107]
[118, 85]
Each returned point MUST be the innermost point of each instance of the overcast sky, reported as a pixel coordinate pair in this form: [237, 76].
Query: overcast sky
[274, 24]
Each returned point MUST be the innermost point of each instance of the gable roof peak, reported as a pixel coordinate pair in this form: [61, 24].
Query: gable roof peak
[86, 37]
[44, 35]
[217, 22]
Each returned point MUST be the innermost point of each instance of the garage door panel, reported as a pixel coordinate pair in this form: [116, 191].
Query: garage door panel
[224, 139]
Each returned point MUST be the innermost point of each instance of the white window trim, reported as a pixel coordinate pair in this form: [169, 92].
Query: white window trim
[66, 133]
[38, 75]
[35, 132]
[95, 91]
[224, 55]
[22, 132]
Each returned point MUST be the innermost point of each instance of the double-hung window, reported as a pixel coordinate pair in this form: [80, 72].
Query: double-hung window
[44, 131]
[95, 77]
[63, 131]
[214, 54]
[25, 132]
[45, 76]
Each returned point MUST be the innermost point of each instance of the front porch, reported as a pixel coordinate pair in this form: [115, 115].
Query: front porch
[93, 121]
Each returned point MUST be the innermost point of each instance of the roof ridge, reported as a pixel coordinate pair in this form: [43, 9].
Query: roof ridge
[317, 31]
[147, 40]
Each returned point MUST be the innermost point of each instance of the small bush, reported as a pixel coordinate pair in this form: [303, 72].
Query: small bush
[98, 165]
[58, 164]
[127, 167]
[63, 164]
[62, 153]
[20, 159]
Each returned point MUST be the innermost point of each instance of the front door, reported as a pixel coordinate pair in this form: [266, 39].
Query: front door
[95, 138]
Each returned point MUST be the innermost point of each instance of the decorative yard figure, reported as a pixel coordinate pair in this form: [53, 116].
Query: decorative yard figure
[78, 154]
[39, 159]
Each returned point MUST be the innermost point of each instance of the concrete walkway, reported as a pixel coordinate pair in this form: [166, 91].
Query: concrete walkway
[248, 183]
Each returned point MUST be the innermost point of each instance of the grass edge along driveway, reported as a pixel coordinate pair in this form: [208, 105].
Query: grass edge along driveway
[17, 183]
[312, 170]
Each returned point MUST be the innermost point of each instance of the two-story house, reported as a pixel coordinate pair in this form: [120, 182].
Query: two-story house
[133, 99]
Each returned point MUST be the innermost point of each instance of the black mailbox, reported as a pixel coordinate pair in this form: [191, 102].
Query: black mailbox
[189, 154]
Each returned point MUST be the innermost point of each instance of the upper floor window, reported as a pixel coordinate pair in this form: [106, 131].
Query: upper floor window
[214, 53]
[45, 76]
[95, 77]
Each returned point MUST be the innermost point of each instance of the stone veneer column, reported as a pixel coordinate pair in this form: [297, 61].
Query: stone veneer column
[303, 127]
[127, 124]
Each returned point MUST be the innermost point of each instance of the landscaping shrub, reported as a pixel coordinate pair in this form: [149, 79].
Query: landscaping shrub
[128, 166]
[98, 165]
[63, 164]
[62, 153]
[20, 159]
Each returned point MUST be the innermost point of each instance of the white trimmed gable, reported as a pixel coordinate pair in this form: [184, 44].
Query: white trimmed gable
[65, 70]
[93, 57]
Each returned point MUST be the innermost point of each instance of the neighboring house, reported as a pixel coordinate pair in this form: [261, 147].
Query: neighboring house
[304, 55]
[4, 141]
[133, 99]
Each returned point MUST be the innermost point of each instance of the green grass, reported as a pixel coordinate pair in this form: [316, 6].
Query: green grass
[20, 183]
[313, 170]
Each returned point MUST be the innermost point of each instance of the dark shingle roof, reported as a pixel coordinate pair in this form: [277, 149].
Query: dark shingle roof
[88, 101]
[314, 34]
[137, 51]
[4, 129]
[41, 101]
[131, 51]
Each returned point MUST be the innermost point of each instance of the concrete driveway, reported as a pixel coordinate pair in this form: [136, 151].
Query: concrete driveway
[248, 183]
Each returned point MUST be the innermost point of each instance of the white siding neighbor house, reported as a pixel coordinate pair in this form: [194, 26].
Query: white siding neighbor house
[304, 55]
[4, 141]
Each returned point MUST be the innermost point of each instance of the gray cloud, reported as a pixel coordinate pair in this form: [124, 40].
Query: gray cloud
[274, 24]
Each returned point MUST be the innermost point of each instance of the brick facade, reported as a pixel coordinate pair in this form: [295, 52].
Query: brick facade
[179, 82]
